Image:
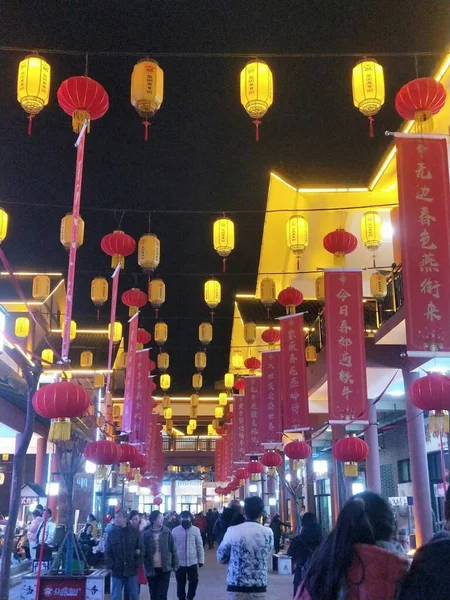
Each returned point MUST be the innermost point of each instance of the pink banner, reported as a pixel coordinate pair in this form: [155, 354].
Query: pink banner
[252, 415]
[424, 210]
[130, 378]
[230, 453]
[239, 432]
[142, 407]
[345, 346]
[218, 460]
[112, 320]
[270, 429]
[295, 408]
[152, 447]
[73, 247]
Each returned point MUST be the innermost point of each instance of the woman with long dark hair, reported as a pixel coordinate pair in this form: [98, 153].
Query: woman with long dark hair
[358, 559]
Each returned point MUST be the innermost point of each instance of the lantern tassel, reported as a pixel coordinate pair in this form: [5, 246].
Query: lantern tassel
[257, 123]
[224, 265]
[371, 131]
[98, 314]
[146, 125]
[30, 123]
[212, 316]
[298, 263]
[59, 430]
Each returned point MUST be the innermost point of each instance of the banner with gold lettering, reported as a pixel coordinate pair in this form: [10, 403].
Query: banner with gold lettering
[252, 411]
[230, 450]
[270, 429]
[141, 407]
[345, 346]
[424, 211]
[130, 377]
[239, 432]
[218, 460]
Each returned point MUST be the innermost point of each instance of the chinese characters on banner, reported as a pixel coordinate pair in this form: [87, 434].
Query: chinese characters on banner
[130, 378]
[153, 448]
[252, 411]
[270, 429]
[239, 433]
[142, 404]
[230, 454]
[345, 346]
[293, 368]
[218, 460]
[226, 449]
[423, 191]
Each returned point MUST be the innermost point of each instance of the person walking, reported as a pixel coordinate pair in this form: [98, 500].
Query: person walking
[135, 522]
[211, 518]
[276, 525]
[304, 545]
[123, 554]
[358, 559]
[230, 516]
[246, 549]
[160, 556]
[191, 555]
[201, 522]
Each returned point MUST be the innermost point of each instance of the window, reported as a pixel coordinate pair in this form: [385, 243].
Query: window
[404, 470]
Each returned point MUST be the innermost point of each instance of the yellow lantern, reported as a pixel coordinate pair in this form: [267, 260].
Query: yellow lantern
[168, 413]
[205, 333]
[156, 294]
[218, 412]
[297, 236]
[197, 381]
[268, 292]
[193, 411]
[99, 291]
[311, 354]
[99, 380]
[67, 375]
[3, 224]
[22, 327]
[256, 90]
[86, 359]
[117, 331]
[320, 288]
[41, 287]
[164, 382]
[200, 360]
[250, 333]
[47, 357]
[211, 430]
[223, 399]
[195, 399]
[228, 380]
[65, 233]
[378, 286]
[33, 85]
[223, 238]
[193, 424]
[169, 426]
[212, 294]
[165, 402]
[189, 430]
[237, 359]
[161, 333]
[72, 330]
[163, 361]
[368, 88]
[149, 252]
[371, 230]
[147, 90]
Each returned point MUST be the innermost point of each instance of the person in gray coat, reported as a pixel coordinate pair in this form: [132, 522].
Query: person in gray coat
[160, 556]
[191, 554]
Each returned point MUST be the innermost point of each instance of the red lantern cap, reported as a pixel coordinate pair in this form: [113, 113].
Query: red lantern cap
[143, 337]
[135, 298]
[297, 450]
[424, 94]
[271, 336]
[350, 449]
[271, 459]
[103, 452]
[81, 98]
[431, 392]
[61, 400]
[252, 363]
[290, 298]
[118, 243]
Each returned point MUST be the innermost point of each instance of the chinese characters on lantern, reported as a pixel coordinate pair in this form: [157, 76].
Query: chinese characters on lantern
[239, 432]
[345, 346]
[270, 415]
[252, 410]
[423, 185]
[130, 378]
[293, 366]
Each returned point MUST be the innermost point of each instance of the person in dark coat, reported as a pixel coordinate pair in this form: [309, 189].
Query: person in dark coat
[211, 518]
[276, 525]
[230, 516]
[124, 553]
[303, 546]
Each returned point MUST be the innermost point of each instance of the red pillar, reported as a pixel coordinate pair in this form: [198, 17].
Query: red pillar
[41, 455]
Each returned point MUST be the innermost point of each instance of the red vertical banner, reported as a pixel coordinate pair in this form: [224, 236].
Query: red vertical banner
[295, 410]
[151, 448]
[218, 459]
[270, 428]
[345, 346]
[142, 407]
[230, 454]
[424, 211]
[130, 378]
[239, 432]
[112, 320]
[252, 412]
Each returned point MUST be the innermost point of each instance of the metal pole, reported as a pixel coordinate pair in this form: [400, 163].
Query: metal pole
[373, 460]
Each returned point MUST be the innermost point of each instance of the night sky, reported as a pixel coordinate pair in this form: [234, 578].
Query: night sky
[201, 154]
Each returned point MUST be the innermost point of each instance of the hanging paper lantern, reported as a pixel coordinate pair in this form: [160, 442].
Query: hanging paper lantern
[72, 329]
[223, 399]
[268, 293]
[242, 474]
[41, 287]
[320, 288]
[164, 382]
[228, 380]
[61, 402]
[256, 90]
[432, 393]
[200, 360]
[86, 359]
[239, 384]
[218, 412]
[272, 460]
[255, 468]
[118, 244]
[165, 402]
[340, 243]
[127, 454]
[250, 333]
[33, 86]
[3, 224]
[378, 286]
[99, 291]
[205, 333]
[290, 298]
[297, 236]
[193, 412]
[311, 354]
[223, 238]
[395, 224]
[47, 357]
[157, 501]
[134, 299]
[65, 232]
[237, 359]
[22, 327]
[151, 365]
[350, 450]
[189, 430]
[103, 452]
[169, 426]
[212, 295]
[99, 380]
[271, 336]
[147, 90]
[149, 252]
[368, 89]
[117, 331]
[252, 364]
[195, 399]
[371, 230]
[193, 424]
[212, 430]
[297, 450]
[197, 381]
[161, 333]
[156, 294]
[419, 100]
[168, 413]
[82, 98]
[143, 336]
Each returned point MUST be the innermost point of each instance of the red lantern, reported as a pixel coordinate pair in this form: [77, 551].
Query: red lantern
[350, 450]
[340, 243]
[432, 393]
[290, 298]
[419, 100]
[60, 401]
[239, 384]
[234, 485]
[242, 473]
[143, 336]
[102, 452]
[252, 364]
[271, 459]
[221, 430]
[118, 244]
[219, 490]
[82, 98]
[129, 476]
[140, 462]
[134, 299]
[271, 336]
[152, 386]
[297, 450]
[157, 501]
[151, 365]
[127, 453]
[255, 468]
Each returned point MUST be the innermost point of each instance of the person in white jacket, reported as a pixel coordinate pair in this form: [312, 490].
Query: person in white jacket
[191, 554]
